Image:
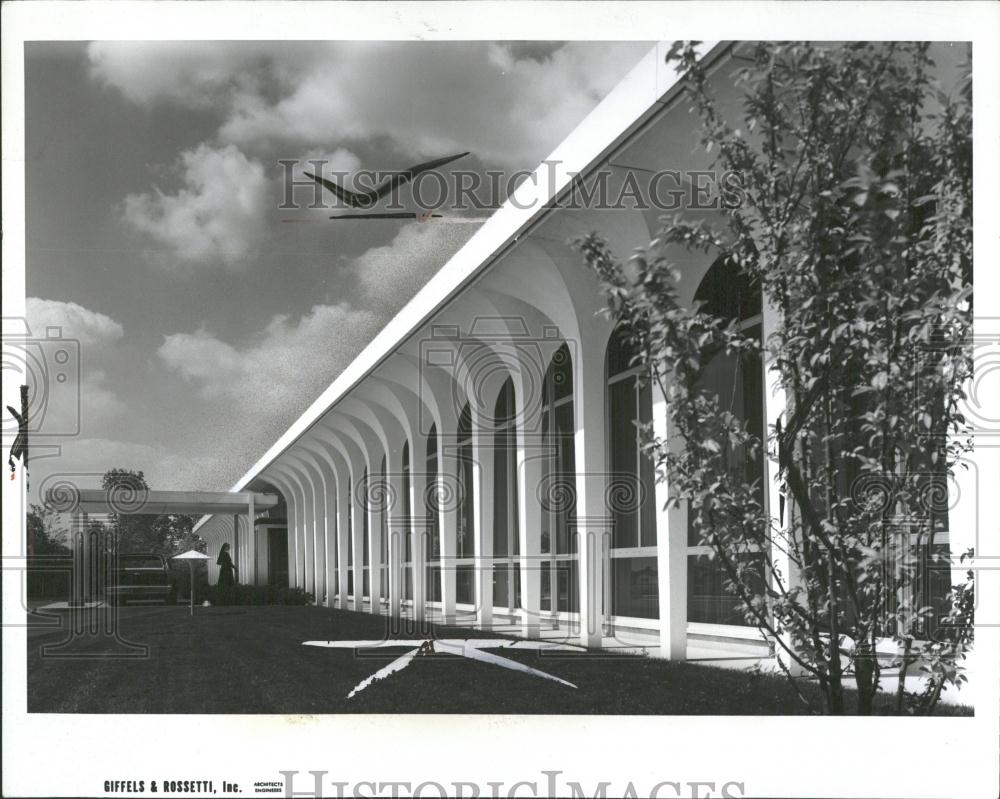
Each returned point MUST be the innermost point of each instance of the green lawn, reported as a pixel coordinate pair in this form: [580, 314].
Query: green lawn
[251, 660]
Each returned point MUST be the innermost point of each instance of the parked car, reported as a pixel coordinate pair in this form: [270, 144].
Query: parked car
[141, 577]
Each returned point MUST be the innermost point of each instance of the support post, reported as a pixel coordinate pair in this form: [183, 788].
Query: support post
[529, 477]
[484, 518]
[375, 513]
[343, 540]
[252, 540]
[397, 530]
[358, 533]
[419, 525]
[448, 470]
[671, 554]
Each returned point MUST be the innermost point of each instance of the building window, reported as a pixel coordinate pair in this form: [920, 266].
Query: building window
[737, 381]
[632, 589]
[365, 539]
[465, 524]
[506, 543]
[407, 526]
[383, 525]
[559, 586]
[350, 543]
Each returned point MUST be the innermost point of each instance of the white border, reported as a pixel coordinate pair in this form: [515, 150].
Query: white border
[73, 755]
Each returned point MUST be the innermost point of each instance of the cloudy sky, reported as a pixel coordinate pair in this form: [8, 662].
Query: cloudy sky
[206, 323]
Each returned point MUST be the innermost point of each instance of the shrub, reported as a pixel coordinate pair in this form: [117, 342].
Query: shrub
[257, 595]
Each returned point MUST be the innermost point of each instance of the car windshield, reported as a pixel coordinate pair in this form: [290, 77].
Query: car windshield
[139, 562]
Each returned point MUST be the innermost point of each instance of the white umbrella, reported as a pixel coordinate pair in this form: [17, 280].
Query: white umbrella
[191, 556]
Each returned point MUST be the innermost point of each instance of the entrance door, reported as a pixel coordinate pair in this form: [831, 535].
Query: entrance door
[277, 556]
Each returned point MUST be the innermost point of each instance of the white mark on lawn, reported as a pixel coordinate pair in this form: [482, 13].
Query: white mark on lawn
[471, 648]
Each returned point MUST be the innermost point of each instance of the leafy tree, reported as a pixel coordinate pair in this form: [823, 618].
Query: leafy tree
[46, 536]
[856, 227]
[167, 534]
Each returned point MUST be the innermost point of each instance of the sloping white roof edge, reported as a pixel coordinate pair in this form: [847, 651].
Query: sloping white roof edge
[649, 85]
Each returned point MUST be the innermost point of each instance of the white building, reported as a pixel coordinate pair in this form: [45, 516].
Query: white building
[500, 386]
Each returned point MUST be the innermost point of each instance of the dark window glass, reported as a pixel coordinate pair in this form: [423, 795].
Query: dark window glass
[501, 589]
[464, 544]
[727, 292]
[365, 521]
[634, 587]
[708, 600]
[621, 351]
[408, 545]
[566, 468]
[647, 474]
[624, 456]
[465, 585]
[433, 550]
[433, 578]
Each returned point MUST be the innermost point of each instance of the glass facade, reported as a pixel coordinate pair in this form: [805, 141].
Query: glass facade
[506, 543]
[407, 559]
[432, 575]
[737, 380]
[633, 571]
[559, 586]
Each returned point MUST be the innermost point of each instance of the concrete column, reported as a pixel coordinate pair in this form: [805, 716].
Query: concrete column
[344, 534]
[593, 517]
[294, 522]
[375, 510]
[236, 549]
[88, 560]
[484, 519]
[358, 540]
[296, 503]
[419, 525]
[671, 554]
[775, 403]
[398, 529]
[319, 542]
[449, 498]
[309, 549]
[330, 544]
[529, 477]
[319, 535]
[252, 542]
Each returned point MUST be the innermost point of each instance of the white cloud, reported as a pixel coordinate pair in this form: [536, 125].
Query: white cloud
[90, 328]
[508, 107]
[193, 74]
[68, 392]
[217, 215]
[391, 274]
[287, 366]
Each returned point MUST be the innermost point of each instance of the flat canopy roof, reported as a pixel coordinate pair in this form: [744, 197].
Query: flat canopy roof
[156, 503]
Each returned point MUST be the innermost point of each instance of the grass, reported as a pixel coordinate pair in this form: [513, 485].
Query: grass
[251, 660]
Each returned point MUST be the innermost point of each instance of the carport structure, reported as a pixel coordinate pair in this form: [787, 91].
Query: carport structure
[82, 503]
